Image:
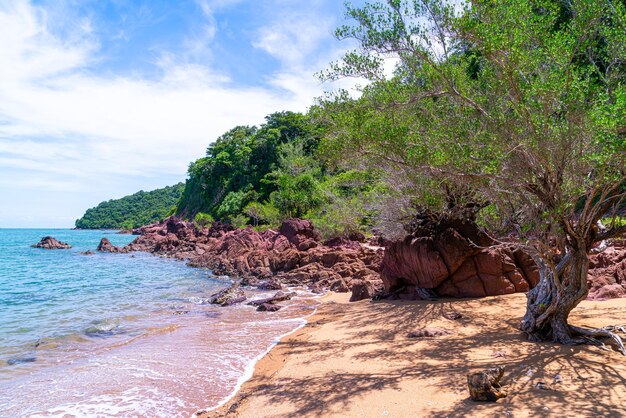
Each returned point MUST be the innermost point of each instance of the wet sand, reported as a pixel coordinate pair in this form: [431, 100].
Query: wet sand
[355, 360]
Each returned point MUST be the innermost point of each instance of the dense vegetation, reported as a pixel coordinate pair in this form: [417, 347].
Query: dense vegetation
[516, 108]
[132, 211]
[262, 175]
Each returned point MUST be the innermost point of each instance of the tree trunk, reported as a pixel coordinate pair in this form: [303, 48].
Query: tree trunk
[560, 289]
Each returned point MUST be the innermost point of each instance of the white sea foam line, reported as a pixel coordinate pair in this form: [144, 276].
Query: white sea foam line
[249, 370]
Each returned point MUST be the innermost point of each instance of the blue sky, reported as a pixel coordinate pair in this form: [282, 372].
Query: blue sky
[102, 98]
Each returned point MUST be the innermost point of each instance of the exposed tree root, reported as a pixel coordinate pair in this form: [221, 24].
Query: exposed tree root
[595, 336]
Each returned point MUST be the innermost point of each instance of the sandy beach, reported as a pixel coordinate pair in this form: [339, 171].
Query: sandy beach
[356, 360]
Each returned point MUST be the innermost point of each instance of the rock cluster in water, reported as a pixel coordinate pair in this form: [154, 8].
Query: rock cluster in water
[106, 246]
[51, 243]
[293, 255]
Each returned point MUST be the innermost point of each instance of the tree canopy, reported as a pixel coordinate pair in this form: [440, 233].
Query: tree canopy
[516, 105]
[262, 175]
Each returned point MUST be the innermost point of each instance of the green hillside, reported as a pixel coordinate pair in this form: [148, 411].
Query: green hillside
[132, 211]
[262, 175]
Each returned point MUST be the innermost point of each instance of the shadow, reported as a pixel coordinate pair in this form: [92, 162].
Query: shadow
[539, 377]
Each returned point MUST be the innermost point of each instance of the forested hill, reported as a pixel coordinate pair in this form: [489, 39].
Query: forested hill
[132, 211]
[262, 175]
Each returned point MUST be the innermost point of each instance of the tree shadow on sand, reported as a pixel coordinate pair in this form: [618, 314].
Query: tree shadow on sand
[445, 361]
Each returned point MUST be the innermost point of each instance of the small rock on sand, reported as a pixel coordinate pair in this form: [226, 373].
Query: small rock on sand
[428, 333]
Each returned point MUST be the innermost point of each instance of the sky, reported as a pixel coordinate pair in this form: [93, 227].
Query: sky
[102, 98]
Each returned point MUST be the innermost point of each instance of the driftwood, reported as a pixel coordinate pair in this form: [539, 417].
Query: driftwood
[485, 385]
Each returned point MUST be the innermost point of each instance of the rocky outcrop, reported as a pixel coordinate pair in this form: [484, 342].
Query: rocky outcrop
[278, 297]
[51, 243]
[449, 259]
[268, 307]
[607, 273]
[301, 233]
[294, 255]
[457, 261]
[451, 264]
[105, 246]
[270, 304]
[229, 296]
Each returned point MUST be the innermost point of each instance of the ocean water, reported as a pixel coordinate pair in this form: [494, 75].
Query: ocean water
[121, 334]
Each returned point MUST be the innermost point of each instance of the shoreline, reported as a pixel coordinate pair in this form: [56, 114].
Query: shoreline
[345, 364]
[251, 368]
[263, 367]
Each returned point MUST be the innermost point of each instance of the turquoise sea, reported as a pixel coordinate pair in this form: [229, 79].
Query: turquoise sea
[121, 334]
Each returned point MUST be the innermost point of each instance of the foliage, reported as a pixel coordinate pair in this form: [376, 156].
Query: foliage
[526, 112]
[264, 213]
[203, 219]
[132, 211]
[239, 161]
[263, 175]
[516, 104]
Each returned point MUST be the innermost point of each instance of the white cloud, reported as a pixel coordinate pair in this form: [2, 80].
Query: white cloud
[294, 37]
[65, 128]
[300, 41]
[151, 125]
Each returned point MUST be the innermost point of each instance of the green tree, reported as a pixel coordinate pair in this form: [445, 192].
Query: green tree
[242, 159]
[521, 103]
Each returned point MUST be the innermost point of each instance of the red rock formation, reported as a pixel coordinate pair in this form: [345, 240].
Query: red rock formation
[51, 243]
[442, 262]
[450, 265]
[106, 247]
[301, 233]
[607, 273]
[293, 256]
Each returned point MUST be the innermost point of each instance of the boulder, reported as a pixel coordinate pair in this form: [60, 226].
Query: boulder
[229, 296]
[301, 233]
[268, 307]
[607, 273]
[105, 246]
[278, 297]
[365, 288]
[339, 285]
[413, 261]
[51, 243]
[449, 264]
